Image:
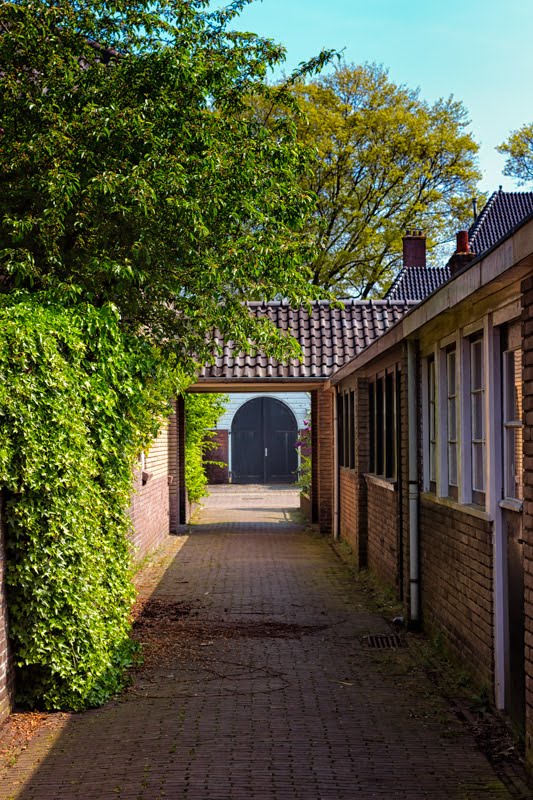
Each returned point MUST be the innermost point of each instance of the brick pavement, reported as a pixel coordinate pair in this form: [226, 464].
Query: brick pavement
[260, 688]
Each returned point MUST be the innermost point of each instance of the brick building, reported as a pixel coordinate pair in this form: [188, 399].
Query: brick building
[434, 469]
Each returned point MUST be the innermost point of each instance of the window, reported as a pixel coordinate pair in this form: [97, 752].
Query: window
[390, 427]
[512, 425]
[351, 451]
[346, 429]
[382, 423]
[340, 429]
[451, 421]
[380, 455]
[372, 425]
[432, 424]
[477, 420]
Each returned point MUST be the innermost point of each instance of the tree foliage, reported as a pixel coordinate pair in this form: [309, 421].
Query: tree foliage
[202, 412]
[79, 399]
[387, 161]
[129, 175]
[519, 151]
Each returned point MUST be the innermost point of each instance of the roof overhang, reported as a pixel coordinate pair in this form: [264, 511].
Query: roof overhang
[257, 385]
[510, 259]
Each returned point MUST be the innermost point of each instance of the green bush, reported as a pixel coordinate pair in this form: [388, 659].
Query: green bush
[202, 412]
[78, 401]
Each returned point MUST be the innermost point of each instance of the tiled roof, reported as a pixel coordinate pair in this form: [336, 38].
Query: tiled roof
[416, 283]
[502, 212]
[329, 337]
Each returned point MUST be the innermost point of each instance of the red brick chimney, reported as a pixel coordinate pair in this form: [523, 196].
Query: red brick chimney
[414, 249]
[463, 254]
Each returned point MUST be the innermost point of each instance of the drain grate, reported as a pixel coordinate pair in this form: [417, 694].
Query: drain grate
[383, 641]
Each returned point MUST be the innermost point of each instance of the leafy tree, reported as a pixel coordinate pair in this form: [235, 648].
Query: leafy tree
[138, 208]
[387, 161]
[129, 175]
[519, 151]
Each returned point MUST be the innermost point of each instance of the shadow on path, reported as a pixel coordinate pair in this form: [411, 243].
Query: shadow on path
[257, 686]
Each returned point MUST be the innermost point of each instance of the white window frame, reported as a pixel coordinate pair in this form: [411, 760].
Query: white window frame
[477, 403]
[510, 426]
[452, 398]
[429, 406]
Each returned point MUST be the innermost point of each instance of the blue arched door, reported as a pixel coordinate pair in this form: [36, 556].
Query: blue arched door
[263, 443]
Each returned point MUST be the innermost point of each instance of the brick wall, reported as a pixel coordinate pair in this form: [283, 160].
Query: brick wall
[527, 364]
[352, 485]
[6, 666]
[219, 451]
[150, 505]
[348, 490]
[382, 534]
[456, 574]
[314, 456]
[323, 457]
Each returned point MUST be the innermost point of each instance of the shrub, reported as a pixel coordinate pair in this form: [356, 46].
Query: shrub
[78, 401]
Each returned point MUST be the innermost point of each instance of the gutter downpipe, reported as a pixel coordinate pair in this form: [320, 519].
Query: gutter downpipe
[414, 564]
[335, 468]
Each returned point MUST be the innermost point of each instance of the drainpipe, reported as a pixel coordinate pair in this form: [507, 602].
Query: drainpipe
[335, 468]
[414, 566]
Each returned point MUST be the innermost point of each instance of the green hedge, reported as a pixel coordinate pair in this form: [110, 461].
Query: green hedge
[78, 401]
[202, 412]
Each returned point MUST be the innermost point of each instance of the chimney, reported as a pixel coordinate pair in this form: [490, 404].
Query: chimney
[462, 255]
[414, 249]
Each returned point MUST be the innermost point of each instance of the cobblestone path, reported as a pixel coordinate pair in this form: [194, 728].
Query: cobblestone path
[257, 685]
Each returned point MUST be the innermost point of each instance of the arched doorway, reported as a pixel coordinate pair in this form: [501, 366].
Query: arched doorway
[263, 438]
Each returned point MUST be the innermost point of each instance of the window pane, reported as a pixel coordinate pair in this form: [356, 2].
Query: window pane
[347, 431]
[513, 431]
[452, 419]
[518, 464]
[476, 359]
[352, 431]
[432, 429]
[452, 463]
[340, 429]
[478, 477]
[372, 425]
[451, 372]
[380, 424]
[477, 415]
[390, 443]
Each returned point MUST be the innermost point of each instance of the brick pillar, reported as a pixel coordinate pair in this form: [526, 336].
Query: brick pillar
[527, 365]
[314, 457]
[323, 456]
[6, 663]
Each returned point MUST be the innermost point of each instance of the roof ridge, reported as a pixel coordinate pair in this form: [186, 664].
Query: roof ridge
[472, 231]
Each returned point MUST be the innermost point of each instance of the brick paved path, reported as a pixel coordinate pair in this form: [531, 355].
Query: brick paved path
[260, 687]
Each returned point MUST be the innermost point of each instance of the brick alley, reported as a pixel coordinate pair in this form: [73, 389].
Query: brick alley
[257, 684]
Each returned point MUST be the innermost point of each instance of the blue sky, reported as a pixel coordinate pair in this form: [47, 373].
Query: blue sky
[481, 51]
